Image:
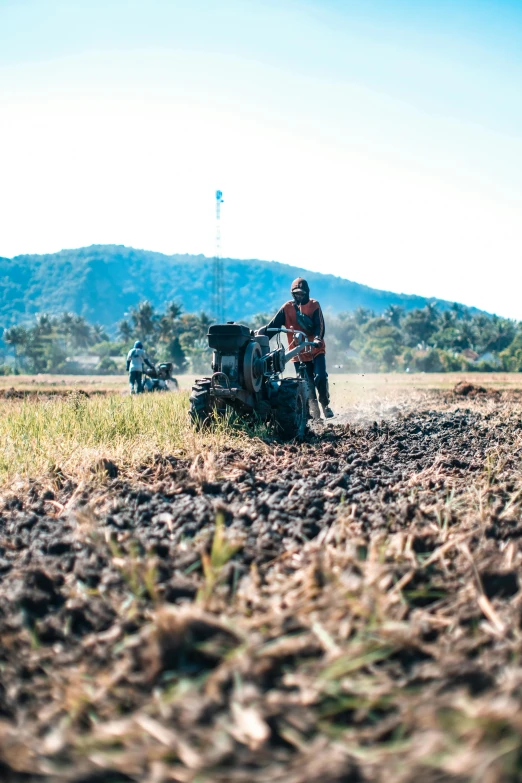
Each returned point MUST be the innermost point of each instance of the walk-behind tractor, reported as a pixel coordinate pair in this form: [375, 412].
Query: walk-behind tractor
[160, 379]
[247, 381]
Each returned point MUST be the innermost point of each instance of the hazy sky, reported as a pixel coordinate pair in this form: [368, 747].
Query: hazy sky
[378, 140]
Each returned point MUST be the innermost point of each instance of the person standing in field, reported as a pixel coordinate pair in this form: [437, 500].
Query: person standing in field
[305, 315]
[136, 359]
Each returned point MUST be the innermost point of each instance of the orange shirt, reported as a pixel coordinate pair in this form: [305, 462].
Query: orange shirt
[291, 322]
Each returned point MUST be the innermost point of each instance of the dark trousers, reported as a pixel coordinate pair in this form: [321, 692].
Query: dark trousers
[135, 380]
[317, 378]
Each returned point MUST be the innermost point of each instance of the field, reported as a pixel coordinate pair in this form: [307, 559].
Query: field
[178, 606]
[380, 383]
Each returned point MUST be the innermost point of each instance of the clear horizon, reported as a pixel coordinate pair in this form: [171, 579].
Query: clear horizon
[377, 141]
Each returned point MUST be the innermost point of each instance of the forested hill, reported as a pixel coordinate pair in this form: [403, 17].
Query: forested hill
[102, 282]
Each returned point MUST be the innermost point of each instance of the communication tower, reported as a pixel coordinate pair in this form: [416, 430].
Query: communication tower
[218, 287]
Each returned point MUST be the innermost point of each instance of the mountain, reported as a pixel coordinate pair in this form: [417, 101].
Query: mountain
[102, 282]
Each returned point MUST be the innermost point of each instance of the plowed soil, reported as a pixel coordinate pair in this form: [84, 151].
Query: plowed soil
[347, 609]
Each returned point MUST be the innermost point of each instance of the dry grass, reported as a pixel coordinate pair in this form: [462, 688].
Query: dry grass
[351, 385]
[69, 436]
[45, 382]
[70, 433]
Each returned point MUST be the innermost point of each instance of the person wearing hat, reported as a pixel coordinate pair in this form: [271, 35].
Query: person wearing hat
[136, 359]
[305, 315]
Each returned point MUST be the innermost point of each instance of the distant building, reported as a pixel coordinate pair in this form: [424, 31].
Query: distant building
[470, 355]
[475, 358]
[85, 361]
[490, 358]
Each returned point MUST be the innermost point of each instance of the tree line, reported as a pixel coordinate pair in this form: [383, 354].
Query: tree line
[425, 340]
[420, 340]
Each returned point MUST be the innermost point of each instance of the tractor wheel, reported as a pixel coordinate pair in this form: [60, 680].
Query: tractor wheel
[291, 413]
[200, 410]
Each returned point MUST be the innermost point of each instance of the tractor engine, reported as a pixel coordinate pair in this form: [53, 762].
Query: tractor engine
[238, 357]
[246, 379]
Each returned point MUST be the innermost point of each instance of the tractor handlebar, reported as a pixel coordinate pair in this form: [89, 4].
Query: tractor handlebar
[299, 349]
[303, 343]
[300, 335]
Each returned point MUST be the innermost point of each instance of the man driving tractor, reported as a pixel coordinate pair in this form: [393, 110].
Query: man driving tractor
[305, 315]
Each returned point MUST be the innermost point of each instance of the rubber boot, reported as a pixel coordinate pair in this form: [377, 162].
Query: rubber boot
[313, 407]
[324, 398]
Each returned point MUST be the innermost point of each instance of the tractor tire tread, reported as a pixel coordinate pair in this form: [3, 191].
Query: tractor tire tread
[291, 414]
[200, 405]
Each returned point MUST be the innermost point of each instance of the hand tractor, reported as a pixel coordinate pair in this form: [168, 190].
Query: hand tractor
[247, 380]
[160, 379]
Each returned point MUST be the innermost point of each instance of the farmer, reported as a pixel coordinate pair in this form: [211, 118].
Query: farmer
[136, 358]
[305, 315]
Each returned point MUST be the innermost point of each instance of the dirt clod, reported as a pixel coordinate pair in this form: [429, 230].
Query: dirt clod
[466, 389]
[105, 466]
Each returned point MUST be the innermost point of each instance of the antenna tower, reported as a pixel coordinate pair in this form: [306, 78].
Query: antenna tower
[218, 288]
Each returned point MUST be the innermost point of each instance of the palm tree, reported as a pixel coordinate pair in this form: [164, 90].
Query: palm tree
[361, 315]
[144, 319]
[125, 331]
[447, 319]
[80, 332]
[460, 312]
[169, 322]
[202, 324]
[419, 326]
[173, 310]
[502, 334]
[45, 323]
[35, 351]
[432, 311]
[64, 324]
[393, 314]
[99, 335]
[259, 320]
[166, 329]
[466, 335]
[17, 336]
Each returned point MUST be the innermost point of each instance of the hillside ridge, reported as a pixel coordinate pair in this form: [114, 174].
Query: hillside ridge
[102, 282]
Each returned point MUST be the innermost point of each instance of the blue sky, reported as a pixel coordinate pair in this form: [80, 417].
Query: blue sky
[380, 141]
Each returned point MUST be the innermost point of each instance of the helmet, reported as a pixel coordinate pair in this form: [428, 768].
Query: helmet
[138, 344]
